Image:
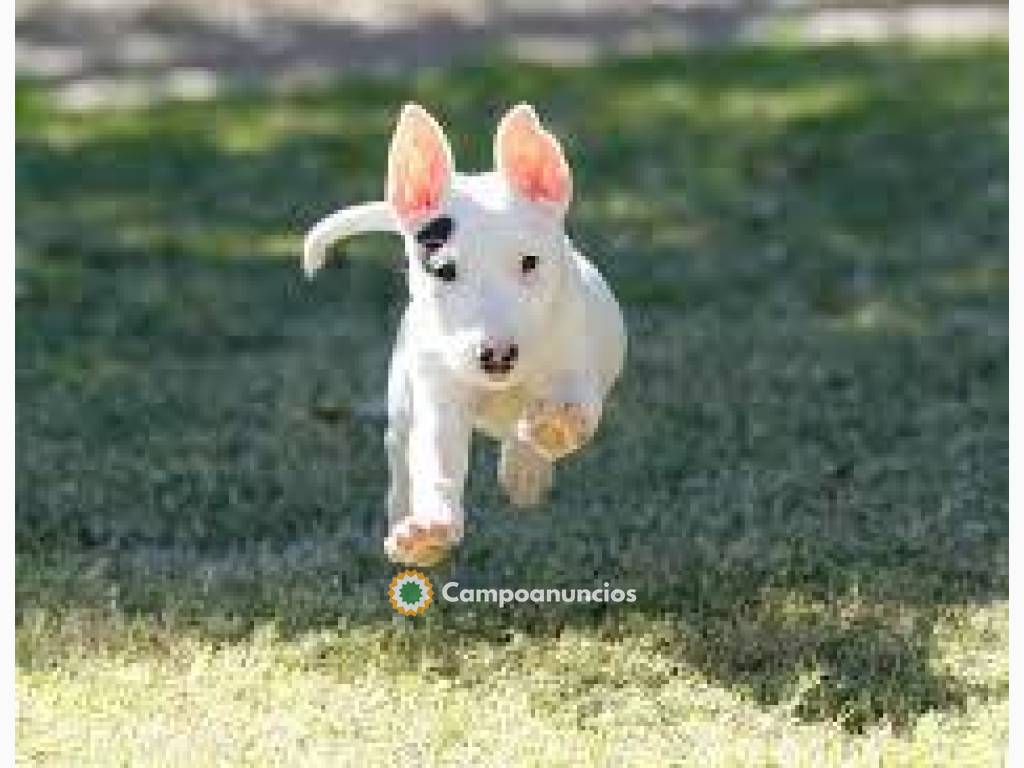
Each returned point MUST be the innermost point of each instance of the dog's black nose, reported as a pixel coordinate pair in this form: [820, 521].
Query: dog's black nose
[497, 357]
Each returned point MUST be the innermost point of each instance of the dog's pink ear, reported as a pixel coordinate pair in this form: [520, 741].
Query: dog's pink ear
[419, 165]
[531, 159]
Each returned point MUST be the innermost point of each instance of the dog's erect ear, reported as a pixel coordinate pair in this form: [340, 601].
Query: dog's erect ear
[419, 166]
[531, 159]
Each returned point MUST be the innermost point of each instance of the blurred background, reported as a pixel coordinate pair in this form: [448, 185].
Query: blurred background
[803, 210]
[142, 49]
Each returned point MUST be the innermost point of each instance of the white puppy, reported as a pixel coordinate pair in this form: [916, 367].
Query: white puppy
[508, 330]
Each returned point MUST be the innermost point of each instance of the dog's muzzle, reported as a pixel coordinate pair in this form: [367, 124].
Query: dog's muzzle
[497, 358]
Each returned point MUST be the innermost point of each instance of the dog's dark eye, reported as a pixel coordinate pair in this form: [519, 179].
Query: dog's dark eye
[444, 271]
[528, 263]
[432, 238]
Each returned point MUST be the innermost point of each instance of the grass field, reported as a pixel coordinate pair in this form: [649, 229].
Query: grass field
[803, 472]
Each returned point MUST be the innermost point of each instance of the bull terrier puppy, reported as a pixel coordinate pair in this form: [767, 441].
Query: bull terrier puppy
[509, 329]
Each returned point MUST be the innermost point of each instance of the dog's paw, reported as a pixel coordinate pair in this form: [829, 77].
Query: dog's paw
[524, 474]
[424, 543]
[556, 429]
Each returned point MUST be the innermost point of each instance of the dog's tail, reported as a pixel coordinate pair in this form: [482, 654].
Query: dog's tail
[354, 220]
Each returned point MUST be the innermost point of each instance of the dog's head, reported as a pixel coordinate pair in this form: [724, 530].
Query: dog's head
[487, 252]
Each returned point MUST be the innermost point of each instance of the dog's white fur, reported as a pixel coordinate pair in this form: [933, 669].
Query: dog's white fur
[560, 315]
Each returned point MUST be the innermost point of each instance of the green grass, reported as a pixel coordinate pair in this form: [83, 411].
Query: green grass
[803, 472]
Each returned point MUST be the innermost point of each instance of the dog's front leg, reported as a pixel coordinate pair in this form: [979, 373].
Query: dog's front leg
[560, 419]
[439, 440]
[564, 416]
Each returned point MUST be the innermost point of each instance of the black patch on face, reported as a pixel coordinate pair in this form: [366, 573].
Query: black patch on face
[435, 233]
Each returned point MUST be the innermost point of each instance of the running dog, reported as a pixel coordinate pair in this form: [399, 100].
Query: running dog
[509, 329]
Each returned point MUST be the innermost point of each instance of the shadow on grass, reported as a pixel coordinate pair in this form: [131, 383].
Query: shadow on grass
[803, 469]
